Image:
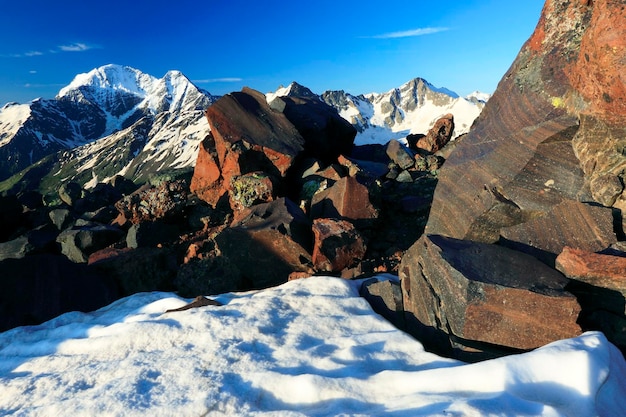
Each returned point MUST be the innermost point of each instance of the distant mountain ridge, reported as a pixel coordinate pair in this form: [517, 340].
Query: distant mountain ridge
[413, 107]
[116, 120]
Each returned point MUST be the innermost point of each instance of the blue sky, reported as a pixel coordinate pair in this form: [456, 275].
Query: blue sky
[223, 45]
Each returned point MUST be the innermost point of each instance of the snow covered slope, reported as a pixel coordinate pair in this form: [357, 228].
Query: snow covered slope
[311, 347]
[413, 107]
[101, 103]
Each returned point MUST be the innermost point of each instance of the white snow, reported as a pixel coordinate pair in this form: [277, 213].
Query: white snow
[12, 118]
[310, 347]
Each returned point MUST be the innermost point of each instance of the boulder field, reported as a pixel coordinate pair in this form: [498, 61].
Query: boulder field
[504, 239]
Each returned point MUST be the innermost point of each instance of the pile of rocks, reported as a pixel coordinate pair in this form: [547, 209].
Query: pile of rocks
[542, 173]
[278, 192]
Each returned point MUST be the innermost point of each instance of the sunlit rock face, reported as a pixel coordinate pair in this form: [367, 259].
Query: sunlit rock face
[554, 130]
[542, 171]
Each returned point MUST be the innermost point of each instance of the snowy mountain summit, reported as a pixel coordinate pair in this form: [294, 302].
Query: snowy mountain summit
[411, 108]
[154, 118]
[117, 120]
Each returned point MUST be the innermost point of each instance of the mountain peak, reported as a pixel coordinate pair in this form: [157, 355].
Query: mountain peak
[111, 76]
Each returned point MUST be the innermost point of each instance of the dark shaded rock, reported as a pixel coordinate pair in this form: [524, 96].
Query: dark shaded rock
[61, 218]
[123, 185]
[338, 245]
[599, 283]
[70, 192]
[211, 275]
[31, 199]
[137, 270]
[80, 242]
[16, 248]
[569, 223]
[385, 297]
[483, 298]
[326, 134]
[437, 137]
[399, 154]
[151, 234]
[199, 301]
[40, 287]
[165, 201]
[10, 216]
[282, 215]
[264, 254]
[412, 139]
[371, 152]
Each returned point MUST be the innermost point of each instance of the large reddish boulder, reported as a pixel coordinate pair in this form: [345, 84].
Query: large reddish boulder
[553, 130]
[347, 199]
[438, 136]
[481, 298]
[246, 136]
[599, 282]
[338, 245]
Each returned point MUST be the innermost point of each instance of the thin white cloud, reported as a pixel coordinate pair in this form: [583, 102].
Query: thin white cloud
[75, 47]
[32, 72]
[409, 33]
[218, 80]
[72, 47]
[30, 85]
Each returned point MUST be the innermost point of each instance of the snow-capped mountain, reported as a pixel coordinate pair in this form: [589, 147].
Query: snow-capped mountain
[116, 120]
[413, 107]
[161, 117]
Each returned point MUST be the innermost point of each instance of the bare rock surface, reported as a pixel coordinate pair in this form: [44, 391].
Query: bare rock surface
[483, 297]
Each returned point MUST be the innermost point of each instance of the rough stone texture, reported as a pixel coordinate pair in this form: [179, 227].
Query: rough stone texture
[151, 234]
[399, 154]
[15, 249]
[483, 296]
[438, 136]
[283, 215]
[137, 270]
[246, 136]
[269, 244]
[347, 199]
[599, 282]
[326, 134]
[338, 245]
[593, 268]
[563, 96]
[250, 189]
[80, 242]
[165, 201]
[199, 301]
[61, 218]
[70, 193]
[385, 297]
[211, 275]
[546, 235]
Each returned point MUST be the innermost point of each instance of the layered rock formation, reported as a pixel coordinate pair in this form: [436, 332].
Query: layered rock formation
[541, 170]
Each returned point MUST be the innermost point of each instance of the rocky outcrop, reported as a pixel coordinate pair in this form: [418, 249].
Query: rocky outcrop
[540, 171]
[555, 120]
[475, 300]
[437, 137]
[246, 136]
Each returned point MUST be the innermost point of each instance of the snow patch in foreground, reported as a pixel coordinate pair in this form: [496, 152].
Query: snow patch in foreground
[309, 347]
